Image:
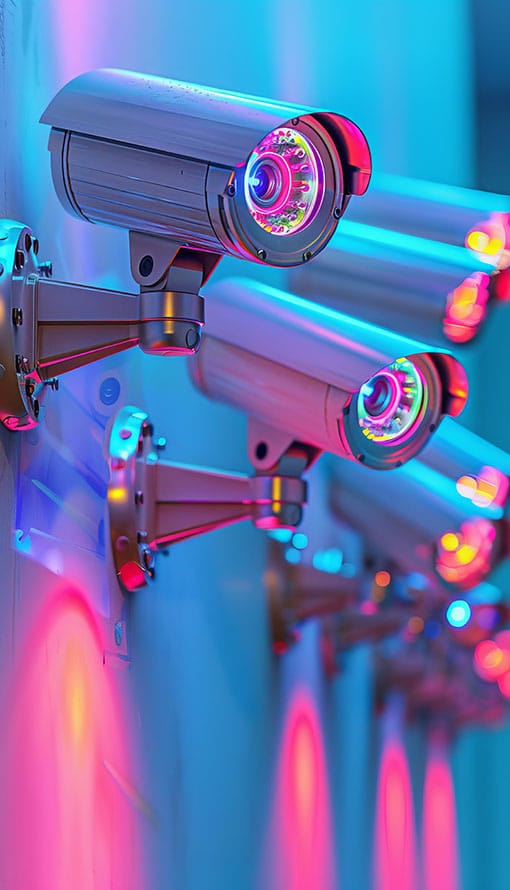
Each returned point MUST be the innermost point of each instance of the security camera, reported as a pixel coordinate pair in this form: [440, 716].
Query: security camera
[416, 518]
[305, 373]
[192, 174]
[442, 292]
[458, 216]
[215, 171]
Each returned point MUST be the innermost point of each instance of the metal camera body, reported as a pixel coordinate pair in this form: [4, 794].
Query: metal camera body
[298, 368]
[418, 287]
[162, 157]
[416, 519]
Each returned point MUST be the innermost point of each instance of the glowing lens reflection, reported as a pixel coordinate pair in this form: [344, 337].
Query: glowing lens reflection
[465, 557]
[284, 182]
[458, 613]
[390, 402]
[489, 487]
[466, 307]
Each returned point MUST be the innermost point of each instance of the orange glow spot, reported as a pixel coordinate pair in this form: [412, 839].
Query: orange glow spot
[466, 554]
[490, 487]
[466, 485]
[450, 542]
[493, 247]
[118, 495]
[490, 661]
[382, 578]
[415, 624]
[76, 693]
[305, 779]
[477, 241]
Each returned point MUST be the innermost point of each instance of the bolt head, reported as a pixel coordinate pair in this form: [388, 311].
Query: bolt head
[118, 633]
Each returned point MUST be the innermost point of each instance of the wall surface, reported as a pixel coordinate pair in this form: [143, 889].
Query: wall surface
[184, 754]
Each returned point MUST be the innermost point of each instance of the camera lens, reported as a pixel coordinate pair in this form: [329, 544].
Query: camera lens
[379, 395]
[390, 403]
[265, 182]
[284, 182]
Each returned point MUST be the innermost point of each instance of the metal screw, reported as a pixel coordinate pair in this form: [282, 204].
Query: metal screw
[118, 633]
[138, 497]
[295, 121]
[231, 190]
[46, 269]
[261, 254]
[192, 338]
[19, 259]
[337, 213]
[307, 256]
[148, 560]
[141, 537]
[22, 364]
[160, 443]
[146, 266]
[17, 316]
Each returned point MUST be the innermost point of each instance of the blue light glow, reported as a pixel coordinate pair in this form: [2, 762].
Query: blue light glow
[292, 555]
[328, 560]
[458, 613]
[283, 535]
[299, 541]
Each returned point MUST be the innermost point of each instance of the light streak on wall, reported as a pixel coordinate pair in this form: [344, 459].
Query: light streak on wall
[439, 843]
[66, 822]
[300, 851]
[395, 842]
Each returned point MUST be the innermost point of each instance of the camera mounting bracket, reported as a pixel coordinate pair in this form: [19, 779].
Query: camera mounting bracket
[50, 327]
[153, 504]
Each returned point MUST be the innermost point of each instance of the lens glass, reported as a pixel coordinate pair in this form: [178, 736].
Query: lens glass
[391, 401]
[284, 182]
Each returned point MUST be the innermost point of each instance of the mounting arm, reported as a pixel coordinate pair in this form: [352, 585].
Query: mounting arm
[50, 327]
[154, 503]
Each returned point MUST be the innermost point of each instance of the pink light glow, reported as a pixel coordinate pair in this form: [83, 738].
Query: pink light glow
[440, 855]
[395, 843]
[300, 849]
[69, 825]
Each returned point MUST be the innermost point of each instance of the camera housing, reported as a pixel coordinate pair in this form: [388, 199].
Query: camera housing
[416, 518]
[442, 292]
[215, 171]
[322, 378]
